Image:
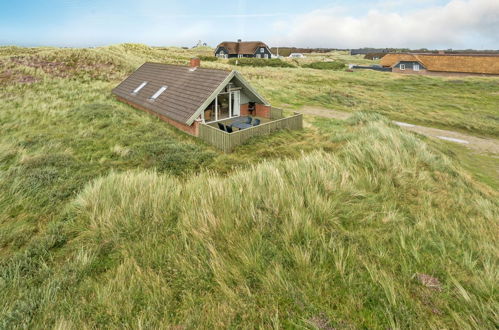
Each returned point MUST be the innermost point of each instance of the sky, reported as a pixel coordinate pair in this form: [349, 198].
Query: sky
[432, 24]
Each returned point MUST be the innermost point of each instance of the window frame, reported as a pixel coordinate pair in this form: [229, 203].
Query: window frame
[416, 65]
[402, 66]
[158, 93]
[138, 89]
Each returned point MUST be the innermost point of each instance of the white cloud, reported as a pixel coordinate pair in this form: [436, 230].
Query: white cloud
[458, 24]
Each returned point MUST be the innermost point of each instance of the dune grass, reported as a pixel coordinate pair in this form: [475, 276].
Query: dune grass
[110, 218]
[468, 104]
[334, 239]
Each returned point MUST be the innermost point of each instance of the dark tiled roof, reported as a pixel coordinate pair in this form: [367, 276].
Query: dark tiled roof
[187, 90]
[243, 47]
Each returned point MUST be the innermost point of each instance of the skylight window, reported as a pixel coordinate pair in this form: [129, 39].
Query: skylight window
[158, 93]
[136, 90]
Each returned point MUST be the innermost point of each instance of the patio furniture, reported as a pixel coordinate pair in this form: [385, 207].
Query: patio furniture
[241, 125]
[256, 122]
[228, 128]
[221, 126]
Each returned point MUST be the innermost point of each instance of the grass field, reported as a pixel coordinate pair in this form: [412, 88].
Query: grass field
[111, 218]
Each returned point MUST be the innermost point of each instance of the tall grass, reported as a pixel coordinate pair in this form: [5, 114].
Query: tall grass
[330, 238]
[467, 104]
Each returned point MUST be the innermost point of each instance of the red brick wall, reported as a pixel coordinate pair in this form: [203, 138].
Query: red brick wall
[192, 130]
[260, 110]
[244, 110]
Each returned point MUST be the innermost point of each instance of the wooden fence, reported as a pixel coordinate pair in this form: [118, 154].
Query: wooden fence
[228, 141]
[276, 113]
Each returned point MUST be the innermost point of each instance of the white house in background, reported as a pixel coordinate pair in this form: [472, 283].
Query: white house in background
[296, 55]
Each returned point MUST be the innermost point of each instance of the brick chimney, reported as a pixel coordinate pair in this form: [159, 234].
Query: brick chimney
[195, 62]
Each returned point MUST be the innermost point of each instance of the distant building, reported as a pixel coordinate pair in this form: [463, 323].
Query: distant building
[374, 56]
[230, 49]
[442, 63]
[296, 55]
[364, 51]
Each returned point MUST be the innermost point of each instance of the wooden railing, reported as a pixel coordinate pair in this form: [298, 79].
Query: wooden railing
[276, 113]
[228, 141]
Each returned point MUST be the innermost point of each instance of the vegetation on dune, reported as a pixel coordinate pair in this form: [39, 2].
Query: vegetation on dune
[260, 62]
[325, 66]
[434, 101]
[382, 221]
[111, 218]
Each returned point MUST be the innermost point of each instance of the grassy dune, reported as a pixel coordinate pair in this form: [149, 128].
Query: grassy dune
[110, 218]
[467, 104]
[336, 239]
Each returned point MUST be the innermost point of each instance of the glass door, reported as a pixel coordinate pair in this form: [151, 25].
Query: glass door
[235, 103]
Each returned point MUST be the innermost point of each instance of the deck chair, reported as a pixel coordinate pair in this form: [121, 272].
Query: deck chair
[221, 126]
[256, 122]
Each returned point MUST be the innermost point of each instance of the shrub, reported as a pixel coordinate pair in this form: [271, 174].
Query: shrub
[337, 66]
[260, 62]
[207, 58]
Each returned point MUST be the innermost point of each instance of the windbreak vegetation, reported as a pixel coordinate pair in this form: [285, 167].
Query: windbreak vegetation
[385, 233]
[325, 66]
[260, 62]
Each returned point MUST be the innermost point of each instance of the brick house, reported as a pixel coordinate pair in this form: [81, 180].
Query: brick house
[442, 64]
[186, 96]
[231, 49]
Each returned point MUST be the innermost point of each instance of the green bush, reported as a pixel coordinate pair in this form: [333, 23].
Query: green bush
[337, 66]
[207, 58]
[260, 62]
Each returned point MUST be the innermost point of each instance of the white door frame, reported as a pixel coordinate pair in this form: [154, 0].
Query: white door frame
[237, 103]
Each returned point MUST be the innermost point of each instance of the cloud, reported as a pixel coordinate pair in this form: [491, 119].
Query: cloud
[458, 24]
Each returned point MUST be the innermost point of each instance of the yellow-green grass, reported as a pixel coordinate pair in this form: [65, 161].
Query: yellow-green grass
[465, 103]
[329, 238]
[111, 218]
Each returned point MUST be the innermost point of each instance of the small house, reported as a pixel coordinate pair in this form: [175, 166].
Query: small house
[215, 105]
[442, 63]
[364, 51]
[240, 49]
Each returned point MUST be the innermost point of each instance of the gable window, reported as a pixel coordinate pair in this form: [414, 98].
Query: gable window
[415, 67]
[402, 66]
[136, 90]
[158, 93]
[262, 50]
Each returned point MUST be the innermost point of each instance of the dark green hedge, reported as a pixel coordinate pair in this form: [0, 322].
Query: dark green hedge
[325, 66]
[260, 62]
[207, 58]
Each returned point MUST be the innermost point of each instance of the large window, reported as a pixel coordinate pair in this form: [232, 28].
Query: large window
[136, 90]
[416, 67]
[158, 93]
